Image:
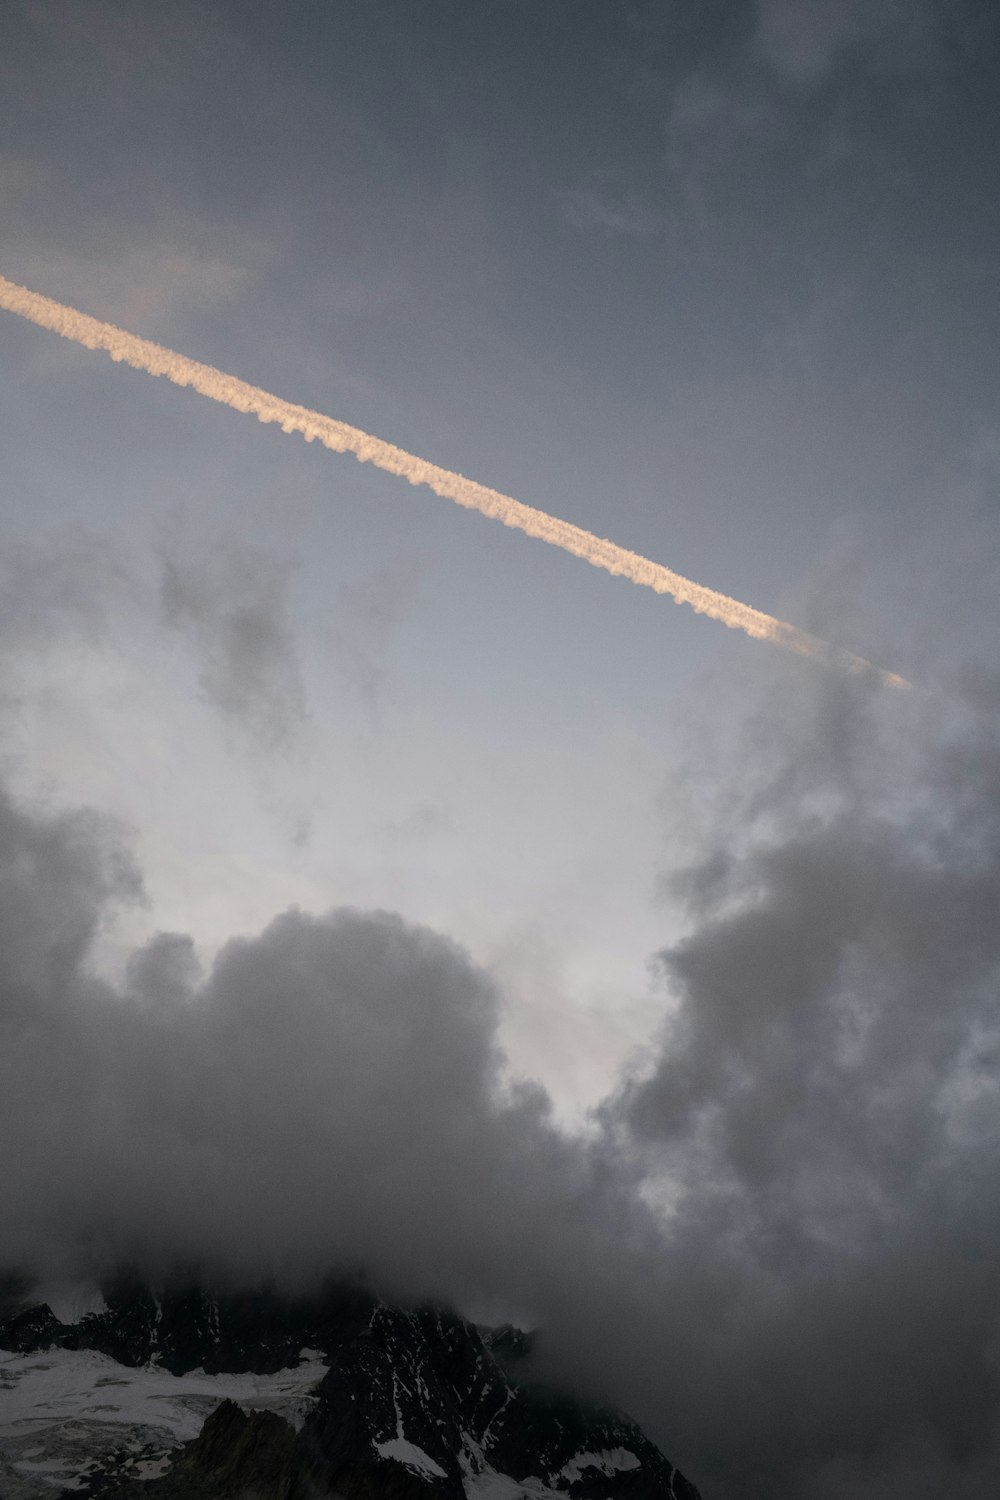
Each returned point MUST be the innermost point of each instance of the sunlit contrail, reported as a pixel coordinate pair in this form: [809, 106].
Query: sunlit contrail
[338, 436]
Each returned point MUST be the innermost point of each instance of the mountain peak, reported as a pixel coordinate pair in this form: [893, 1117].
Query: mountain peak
[341, 1394]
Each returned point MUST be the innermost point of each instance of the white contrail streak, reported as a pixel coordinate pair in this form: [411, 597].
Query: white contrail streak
[338, 436]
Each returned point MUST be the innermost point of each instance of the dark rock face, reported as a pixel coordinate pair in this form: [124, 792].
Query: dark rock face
[36, 1328]
[416, 1404]
[431, 1376]
[235, 1456]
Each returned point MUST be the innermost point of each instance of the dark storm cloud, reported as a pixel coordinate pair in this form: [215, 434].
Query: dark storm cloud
[810, 1305]
[823, 1119]
[232, 608]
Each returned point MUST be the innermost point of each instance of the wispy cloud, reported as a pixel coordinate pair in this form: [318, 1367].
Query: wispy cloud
[232, 607]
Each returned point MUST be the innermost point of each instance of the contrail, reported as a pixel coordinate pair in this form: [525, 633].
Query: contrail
[338, 436]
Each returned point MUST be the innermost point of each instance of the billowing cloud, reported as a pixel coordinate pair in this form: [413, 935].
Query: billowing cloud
[774, 1245]
[822, 1121]
[331, 1094]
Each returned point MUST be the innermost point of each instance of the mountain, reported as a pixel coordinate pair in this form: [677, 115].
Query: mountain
[188, 1396]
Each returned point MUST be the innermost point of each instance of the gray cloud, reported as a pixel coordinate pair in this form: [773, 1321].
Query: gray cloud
[823, 1117]
[232, 608]
[330, 1094]
[775, 1248]
[56, 876]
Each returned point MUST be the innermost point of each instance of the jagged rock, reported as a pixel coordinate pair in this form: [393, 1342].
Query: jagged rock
[236, 1456]
[35, 1328]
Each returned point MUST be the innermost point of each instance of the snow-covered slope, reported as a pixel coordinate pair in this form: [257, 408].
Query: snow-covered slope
[70, 1413]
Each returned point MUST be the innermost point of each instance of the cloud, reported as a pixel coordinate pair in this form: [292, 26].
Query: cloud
[774, 1245]
[232, 607]
[330, 1094]
[774, 1241]
[58, 875]
[822, 1120]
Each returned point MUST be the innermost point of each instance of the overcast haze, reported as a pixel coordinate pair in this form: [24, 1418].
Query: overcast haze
[379, 886]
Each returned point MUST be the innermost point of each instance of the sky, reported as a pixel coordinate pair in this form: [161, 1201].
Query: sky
[378, 885]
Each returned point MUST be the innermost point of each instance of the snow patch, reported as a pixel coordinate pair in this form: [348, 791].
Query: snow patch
[405, 1452]
[609, 1461]
[488, 1484]
[482, 1482]
[152, 1468]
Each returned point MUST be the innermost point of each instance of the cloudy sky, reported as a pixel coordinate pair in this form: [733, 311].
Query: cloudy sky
[395, 888]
